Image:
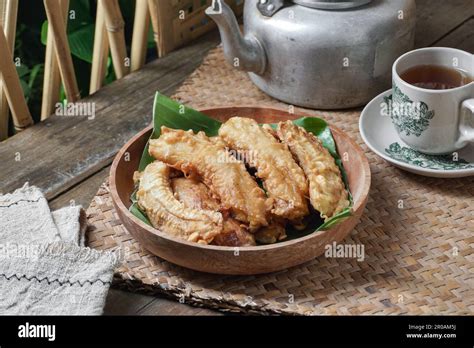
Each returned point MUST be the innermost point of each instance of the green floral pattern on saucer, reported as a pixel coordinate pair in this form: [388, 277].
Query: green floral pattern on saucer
[408, 117]
[436, 162]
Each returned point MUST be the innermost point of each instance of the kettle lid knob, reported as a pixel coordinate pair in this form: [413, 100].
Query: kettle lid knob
[269, 7]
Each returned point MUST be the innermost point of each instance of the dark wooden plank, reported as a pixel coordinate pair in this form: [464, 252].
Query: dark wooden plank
[61, 152]
[436, 18]
[83, 193]
[125, 303]
[462, 37]
[160, 306]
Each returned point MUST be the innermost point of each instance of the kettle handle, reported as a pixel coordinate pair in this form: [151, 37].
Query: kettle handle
[269, 7]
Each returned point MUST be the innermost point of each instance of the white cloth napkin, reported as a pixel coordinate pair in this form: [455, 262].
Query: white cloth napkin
[45, 269]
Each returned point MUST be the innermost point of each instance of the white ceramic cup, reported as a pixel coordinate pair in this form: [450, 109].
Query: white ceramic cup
[434, 121]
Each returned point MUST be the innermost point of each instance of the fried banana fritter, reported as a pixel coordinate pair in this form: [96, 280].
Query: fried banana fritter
[225, 176]
[282, 178]
[327, 192]
[167, 214]
[271, 234]
[195, 195]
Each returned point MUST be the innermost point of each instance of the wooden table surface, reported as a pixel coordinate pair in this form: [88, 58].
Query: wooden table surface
[68, 158]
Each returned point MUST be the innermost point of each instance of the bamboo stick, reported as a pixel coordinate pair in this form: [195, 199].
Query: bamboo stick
[63, 53]
[52, 76]
[16, 98]
[101, 51]
[163, 33]
[8, 17]
[155, 21]
[115, 27]
[140, 34]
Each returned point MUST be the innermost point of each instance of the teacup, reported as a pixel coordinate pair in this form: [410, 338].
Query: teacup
[434, 121]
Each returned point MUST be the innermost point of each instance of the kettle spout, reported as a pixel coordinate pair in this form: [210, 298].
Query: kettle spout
[244, 53]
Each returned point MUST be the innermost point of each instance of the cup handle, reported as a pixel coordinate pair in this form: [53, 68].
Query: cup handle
[467, 122]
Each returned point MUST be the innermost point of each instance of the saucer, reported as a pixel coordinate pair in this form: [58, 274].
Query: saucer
[379, 134]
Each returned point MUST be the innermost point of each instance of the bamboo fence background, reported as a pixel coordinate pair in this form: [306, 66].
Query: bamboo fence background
[174, 23]
[8, 14]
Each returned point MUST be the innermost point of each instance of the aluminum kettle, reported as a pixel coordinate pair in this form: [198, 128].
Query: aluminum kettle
[322, 54]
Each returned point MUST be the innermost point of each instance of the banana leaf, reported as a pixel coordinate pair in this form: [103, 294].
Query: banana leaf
[169, 113]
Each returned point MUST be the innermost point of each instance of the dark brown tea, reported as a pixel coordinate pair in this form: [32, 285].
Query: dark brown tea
[436, 77]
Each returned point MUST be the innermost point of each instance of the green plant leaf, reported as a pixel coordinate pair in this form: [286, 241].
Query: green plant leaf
[319, 128]
[135, 210]
[22, 70]
[336, 219]
[26, 89]
[28, 79]
[110, 72]
[80, 40]
[34, 74]
[151, 43]
[44, 33]
[169, 113]
[62, 95]
[172, 114]
[81, 43]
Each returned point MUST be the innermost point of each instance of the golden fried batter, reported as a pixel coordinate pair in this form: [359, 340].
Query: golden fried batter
[326, 188]
[195, 195]
[234, 235]
[169, 215]
[226, 177]
[282, 178]
[275, 232]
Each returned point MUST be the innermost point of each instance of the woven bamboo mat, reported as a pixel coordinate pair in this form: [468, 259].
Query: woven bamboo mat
[417, 233]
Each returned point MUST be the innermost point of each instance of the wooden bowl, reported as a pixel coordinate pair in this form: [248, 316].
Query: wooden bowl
[230, 260]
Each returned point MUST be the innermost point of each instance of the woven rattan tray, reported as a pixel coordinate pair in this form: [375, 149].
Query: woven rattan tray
[417, 232]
